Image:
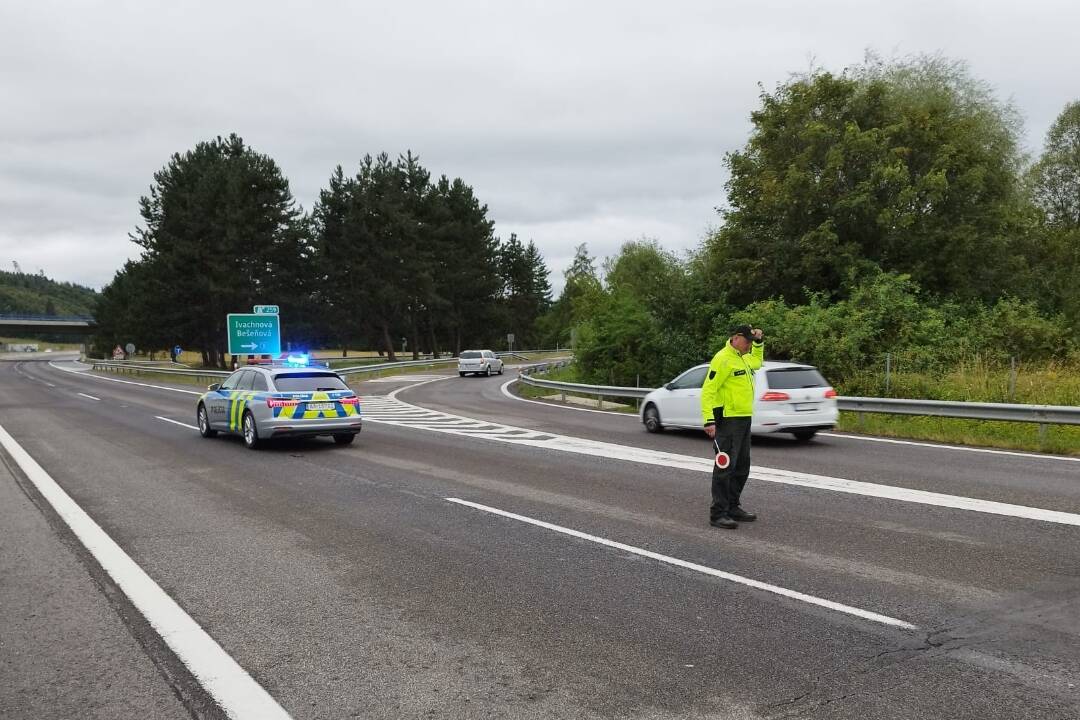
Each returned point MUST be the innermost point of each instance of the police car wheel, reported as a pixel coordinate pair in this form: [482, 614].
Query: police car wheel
[652, 419]
[344, 438]
[251, 432]
[461, 374]
[204, 423]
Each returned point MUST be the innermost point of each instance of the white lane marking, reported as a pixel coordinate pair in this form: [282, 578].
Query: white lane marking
[50, 384]
[176, 422]
[229, 684]
[595, 448]
[705, 570]
[916, 443]
[1037, 456]
[405, 378]
[506, 391]
[85, 373]
[88, 396]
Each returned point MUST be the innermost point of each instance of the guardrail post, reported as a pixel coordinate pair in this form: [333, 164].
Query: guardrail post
[862, 420]
[1042, 435]
[600, 401]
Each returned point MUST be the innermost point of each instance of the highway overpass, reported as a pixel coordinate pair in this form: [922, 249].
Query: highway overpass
[20, 325]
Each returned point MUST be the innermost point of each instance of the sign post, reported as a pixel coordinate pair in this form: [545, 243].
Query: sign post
[254, 333]
[510, 341]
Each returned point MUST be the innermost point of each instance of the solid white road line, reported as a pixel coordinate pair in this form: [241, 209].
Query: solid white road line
[937, 446]
[229, 684]
[989, 451]
[85, 373]
[88, 396]
[756, 584]
[646, 456]
[506, 391]
[176, 422]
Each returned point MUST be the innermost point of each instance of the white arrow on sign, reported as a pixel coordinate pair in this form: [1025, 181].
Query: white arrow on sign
[252, 346]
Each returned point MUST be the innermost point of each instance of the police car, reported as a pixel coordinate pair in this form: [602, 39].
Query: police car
[259, 403]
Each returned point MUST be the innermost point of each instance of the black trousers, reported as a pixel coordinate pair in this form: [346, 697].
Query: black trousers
[732, 437]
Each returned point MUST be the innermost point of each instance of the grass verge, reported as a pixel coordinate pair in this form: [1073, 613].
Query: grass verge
[1059, 439]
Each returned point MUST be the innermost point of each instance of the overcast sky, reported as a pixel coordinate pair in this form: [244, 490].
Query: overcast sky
[574, 121]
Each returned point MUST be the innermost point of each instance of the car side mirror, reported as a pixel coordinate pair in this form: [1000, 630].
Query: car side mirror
[214, 387]
[670, 386]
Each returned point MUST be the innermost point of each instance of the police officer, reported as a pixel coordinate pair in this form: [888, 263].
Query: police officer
[727, 402]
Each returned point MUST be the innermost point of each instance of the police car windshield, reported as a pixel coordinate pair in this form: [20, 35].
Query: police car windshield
[308, 382]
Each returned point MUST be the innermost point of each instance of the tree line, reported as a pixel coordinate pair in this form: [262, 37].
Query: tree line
[388, 258]
[887, 208]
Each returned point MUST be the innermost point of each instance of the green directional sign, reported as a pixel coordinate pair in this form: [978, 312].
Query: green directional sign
[253, 334]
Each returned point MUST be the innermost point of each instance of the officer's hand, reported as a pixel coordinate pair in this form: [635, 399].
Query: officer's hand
[758, 334]
[710, 430]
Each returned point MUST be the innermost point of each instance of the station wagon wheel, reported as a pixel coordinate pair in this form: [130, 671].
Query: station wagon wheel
[251, 432]
[204, 423]
[652, 419]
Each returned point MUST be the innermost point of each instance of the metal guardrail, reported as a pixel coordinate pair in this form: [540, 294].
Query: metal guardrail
[57, 318]
[135, 366]
[1040, 414]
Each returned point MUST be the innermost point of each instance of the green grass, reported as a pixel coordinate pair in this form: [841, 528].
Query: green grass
[1059, 439]
[1053, 383]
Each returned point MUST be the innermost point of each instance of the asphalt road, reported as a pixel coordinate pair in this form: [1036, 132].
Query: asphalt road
[345, 582]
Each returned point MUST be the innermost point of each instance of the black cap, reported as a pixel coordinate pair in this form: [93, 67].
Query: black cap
[746, 331]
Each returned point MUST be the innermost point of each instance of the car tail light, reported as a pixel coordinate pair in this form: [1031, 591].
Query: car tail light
[281, 402]
[772, 395]
[830, 393]
[349, 400]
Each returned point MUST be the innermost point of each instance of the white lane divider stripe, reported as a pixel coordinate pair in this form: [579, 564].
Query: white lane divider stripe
[705, 570]
[88, 396]
[87, 374]
[176, 422]
[936, 446]
[646, 456]
[238, 694]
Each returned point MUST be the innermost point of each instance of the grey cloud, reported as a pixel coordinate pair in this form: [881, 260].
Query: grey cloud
[575, 122]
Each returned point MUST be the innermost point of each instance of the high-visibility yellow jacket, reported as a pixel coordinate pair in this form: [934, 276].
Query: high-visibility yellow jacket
[729, 384]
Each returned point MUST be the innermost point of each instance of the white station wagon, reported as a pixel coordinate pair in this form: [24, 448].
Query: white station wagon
[788, 398]
[480, 362]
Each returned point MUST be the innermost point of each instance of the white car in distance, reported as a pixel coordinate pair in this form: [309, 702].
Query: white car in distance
[788, 398]
[479, 362]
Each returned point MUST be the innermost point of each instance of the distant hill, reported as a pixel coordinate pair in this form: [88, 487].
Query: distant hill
[36, 294]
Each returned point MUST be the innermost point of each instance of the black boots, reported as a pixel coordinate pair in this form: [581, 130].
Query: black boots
[741, 515]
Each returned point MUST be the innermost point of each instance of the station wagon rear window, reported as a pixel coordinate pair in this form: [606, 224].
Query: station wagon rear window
[308, 382]
[795, 378]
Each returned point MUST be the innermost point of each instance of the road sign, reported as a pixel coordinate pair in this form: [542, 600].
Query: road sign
[251, 334]
[130, 348]
[176, 352]
[118, 353]
[266, 310]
